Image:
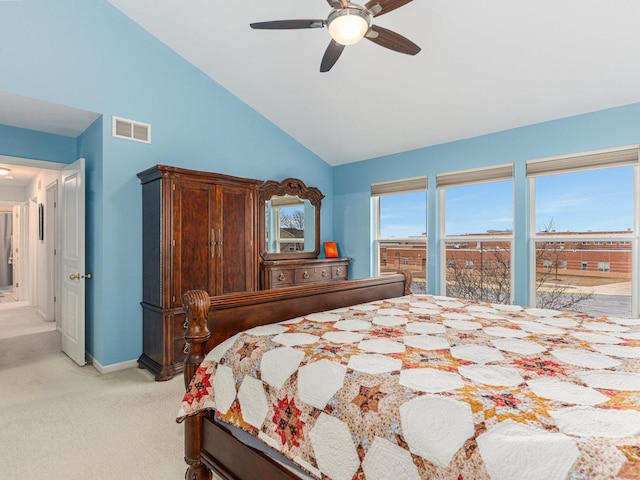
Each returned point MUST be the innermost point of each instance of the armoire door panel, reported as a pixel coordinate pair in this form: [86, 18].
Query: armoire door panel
[152, 246]
[192, 249]
[235, 218]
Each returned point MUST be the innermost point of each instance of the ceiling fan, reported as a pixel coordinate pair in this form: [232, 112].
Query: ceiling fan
[347, 24]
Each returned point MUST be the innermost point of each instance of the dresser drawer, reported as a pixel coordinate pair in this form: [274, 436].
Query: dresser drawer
[179, 325]
[179, 350]
[286, 273]
[313, 274]
[281, 278]
[339, 272]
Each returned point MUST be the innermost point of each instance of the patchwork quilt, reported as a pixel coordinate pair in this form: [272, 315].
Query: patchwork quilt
[428, 387]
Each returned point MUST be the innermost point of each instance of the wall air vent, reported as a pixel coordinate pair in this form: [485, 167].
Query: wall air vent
[131, 130]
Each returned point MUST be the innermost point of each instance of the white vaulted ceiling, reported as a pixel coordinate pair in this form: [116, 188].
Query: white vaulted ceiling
[485, 66]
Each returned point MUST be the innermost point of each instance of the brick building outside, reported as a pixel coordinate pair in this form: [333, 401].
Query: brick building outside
[602, 258]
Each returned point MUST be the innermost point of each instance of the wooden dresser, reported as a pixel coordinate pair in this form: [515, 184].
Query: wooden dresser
[285, 273]
[199, 232]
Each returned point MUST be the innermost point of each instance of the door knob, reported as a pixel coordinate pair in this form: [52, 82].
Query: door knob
[77, 276]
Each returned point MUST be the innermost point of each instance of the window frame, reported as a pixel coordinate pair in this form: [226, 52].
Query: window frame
[567, 164]
[490, 174]
[395, 187]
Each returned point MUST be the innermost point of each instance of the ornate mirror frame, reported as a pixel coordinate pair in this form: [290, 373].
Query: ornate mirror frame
[293, 187]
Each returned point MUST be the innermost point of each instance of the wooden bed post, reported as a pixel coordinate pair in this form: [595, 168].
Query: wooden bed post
[408, 278]
[196, 304]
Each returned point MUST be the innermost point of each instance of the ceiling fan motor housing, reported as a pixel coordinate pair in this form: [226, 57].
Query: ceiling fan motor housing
[349, 24]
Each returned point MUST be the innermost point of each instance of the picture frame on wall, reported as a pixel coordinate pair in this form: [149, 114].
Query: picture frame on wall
[40, 222]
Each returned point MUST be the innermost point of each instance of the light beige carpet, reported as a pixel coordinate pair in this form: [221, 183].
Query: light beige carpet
[61, 421]
[20, 321]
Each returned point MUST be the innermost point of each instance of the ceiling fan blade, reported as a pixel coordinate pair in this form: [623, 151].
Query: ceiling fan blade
[331, 55]
[380, 7]
[392, 40]
[287, 24]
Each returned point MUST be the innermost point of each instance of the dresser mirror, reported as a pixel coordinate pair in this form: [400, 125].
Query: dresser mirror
[289, 220]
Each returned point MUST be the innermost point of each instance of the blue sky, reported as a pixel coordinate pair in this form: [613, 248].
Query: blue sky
[596, 200]
[403, 215]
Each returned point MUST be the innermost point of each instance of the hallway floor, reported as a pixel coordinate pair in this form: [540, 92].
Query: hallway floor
[22, 320]
[6, 294]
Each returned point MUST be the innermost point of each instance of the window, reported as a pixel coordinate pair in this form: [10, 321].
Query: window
[590, 198]
[400, 223]
[477, 206]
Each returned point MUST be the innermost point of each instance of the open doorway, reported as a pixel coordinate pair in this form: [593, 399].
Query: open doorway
[29, 284]
[6, 255]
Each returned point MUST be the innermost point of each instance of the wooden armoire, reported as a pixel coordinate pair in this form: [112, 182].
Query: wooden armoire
[199, 231]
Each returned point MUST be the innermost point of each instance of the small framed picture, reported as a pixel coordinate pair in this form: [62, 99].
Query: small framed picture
[330, 250]
[40, 221]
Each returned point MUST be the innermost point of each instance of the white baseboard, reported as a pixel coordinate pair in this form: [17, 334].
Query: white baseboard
[114, 367]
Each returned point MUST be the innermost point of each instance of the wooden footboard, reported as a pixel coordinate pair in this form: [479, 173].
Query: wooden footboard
[211, 320]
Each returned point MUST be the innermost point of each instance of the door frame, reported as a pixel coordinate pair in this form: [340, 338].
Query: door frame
[51, 241]
[32, 253]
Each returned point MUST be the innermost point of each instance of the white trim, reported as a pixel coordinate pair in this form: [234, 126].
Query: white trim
[442, 255]
[114, 367]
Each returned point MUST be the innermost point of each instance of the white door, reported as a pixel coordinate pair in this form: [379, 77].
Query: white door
[72, 291]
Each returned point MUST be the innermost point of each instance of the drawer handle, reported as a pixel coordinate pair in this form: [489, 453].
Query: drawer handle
[305, 275]
[281, 277]
[338, 271]
[186, 324]
[324, 273]
[186, 350]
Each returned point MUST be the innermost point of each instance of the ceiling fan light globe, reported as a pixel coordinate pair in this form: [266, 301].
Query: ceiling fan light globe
[348, 26]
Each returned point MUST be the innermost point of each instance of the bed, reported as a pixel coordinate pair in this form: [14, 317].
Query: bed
[363, 379]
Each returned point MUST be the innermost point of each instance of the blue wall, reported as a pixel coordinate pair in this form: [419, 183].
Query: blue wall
[351, 201]
[18, 142]
[89, 147]
[88, 55]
